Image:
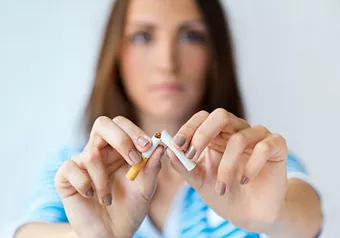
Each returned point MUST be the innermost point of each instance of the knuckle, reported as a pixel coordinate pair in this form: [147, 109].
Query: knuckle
[68, 166]
[57, 178]
[278, 137]
[281, 141]
[118, 119]
[264, 147]
[90, 157]
[220, 111]
[262, 128]
[100, 121]
[238, 139]
[203, 114]
[84, 184]
[223, 115]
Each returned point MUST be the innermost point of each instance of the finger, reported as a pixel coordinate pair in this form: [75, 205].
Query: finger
[147, 178]
[231, 157]
[218, 121]
[70, 174]
[273, 148]
[105, 131]
[141, 140]
[183, 136]
[99, 176]
[153, 165]
[193, 177]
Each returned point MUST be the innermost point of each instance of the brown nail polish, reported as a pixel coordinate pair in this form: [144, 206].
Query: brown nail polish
[179, 140]
[135, 156]
[190, 154]
[90, 193]
[142, 141]
[244, 180]
[107, 200]
[220, 188]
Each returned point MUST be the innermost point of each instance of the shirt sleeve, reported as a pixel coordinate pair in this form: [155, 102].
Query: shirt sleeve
[296, 169]
[44, 203]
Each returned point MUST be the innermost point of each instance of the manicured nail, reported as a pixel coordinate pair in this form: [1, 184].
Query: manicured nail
[90, 193]
[190, 154]
[107, 200]
[179, 140]
[142, 141]
[244, 180]
[135, 157]
[220, 188]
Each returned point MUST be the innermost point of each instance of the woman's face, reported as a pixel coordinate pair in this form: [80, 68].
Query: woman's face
[164, 57]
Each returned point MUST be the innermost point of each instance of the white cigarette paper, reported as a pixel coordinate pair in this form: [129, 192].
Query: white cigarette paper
[155, 142]
[167, 140]
[134, 170]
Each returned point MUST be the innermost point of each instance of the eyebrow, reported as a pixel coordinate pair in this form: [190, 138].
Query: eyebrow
[150, 25]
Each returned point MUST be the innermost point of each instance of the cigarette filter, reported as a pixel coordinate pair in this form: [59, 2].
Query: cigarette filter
[134, 170]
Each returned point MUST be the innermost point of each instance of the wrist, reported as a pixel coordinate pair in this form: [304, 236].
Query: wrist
[277, 228]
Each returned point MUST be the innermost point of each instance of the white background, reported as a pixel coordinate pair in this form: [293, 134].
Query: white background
[289, 64]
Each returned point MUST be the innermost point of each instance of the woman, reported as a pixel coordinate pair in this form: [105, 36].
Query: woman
[168, 65]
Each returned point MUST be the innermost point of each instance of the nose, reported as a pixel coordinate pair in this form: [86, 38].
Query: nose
[166, 55]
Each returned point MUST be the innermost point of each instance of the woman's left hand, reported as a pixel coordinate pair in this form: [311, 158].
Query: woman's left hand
[241, 170]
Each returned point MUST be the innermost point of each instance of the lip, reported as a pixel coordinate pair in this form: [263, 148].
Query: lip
[167, 88]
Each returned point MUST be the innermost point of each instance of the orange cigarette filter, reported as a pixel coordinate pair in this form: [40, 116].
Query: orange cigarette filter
[135, 170]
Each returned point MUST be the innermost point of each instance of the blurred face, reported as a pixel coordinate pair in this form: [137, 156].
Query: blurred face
[164, 57]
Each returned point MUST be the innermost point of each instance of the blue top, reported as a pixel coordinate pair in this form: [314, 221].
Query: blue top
[189, 216]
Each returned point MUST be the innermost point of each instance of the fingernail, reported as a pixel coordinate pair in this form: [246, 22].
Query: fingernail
[244, 180]
[220, 188]
[107, 200]
[191, 152]
[90, 193]
[134, 156]
[142, 141]
[179, 140]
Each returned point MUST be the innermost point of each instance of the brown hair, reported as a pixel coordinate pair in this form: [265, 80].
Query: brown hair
[108, 97]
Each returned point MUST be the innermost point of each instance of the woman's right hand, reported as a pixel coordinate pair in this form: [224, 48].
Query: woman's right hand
[98, 199]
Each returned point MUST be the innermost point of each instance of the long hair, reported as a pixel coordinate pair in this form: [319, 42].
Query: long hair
[108, 97]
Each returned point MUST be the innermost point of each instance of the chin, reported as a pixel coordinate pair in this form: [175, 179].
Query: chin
[172, 113]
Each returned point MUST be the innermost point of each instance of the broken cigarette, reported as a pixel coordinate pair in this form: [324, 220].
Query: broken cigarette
[166, 139]
[134, 170]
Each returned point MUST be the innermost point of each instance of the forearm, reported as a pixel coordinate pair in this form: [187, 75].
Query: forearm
[302, 216]
[43, 230]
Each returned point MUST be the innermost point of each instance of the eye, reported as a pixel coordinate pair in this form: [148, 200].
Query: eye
[192, 36]
[141, 37]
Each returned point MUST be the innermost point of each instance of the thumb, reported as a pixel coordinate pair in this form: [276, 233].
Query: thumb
[148, 176]
[193, 177]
